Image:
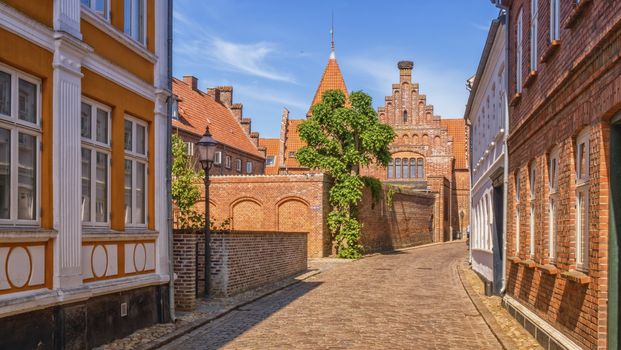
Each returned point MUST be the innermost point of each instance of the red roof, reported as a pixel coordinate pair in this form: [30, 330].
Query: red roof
[332, 79]
[197, 110]
[457, 129]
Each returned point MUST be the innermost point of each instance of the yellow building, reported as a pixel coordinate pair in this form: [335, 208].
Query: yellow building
[83, 210]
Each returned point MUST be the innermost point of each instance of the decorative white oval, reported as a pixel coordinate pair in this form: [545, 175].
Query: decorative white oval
[99, 261]
[18, 267]
[140, 257]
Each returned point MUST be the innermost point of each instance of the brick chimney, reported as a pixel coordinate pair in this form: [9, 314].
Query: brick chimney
[214, 93]
[226, 95]
[254, 136]
[246, 124]
[192, 81]
[405, 71]
[238, 111]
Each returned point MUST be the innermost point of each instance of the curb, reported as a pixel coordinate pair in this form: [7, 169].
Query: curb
[177, 333]
[506, 342]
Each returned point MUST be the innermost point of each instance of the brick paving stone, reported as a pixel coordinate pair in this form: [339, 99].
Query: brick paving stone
[410, 299]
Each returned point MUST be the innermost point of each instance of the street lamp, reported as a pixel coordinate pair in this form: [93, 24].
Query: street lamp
[206, 151]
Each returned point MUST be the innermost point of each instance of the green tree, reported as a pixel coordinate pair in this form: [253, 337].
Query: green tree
[185, 186]
[341, 138]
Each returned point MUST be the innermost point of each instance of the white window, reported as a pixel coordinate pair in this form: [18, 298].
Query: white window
[218, 158]
[270, 160]
[227, 162]
[95, 132]
[135, 23]
[136, 171]
[518, 53]
[582, 200]
[517, 215]
[100, 7]
[533, 183]
[534, 31]
[189, 148]
[552, 200]
[238, 165]
[248, 167]
[555, 11]
[20, 132]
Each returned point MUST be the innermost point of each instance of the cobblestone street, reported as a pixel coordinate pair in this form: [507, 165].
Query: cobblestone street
[404, 300]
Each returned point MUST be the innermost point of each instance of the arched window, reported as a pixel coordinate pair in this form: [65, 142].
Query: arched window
[391, 170]
[406, 169]
[398, 168]
[421, 172]
[405, 116]
[413, 167]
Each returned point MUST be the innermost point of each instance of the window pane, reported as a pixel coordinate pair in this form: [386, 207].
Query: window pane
[128, 192]
[421, 172]
[127, 17]
[141, 138]
[390, 170]
[102, 126]
[406, 169]
[413, 168]
[582, 159]
[5, 93]
[398, 168]
[128, 135]
[27, 101]
[26, 177]
[100, 6]
[5, 173]
[86, 185]
[101, 188]
[140, 193]
[85, 120]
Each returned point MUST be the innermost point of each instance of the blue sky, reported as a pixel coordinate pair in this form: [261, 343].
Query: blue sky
[273, 52]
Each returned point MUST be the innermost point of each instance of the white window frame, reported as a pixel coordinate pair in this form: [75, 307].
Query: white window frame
[91, 7]
[17, 126]
[142, 40]
[582, 202]
[217, 159]
[248, 167]
[227, 162]
[238, 165]
[533, 183]
[135, 158]
[189, 148]
[95, 146]
[519, 51]
[534, 33]
[555, 13]
[553, 166]
[517, 214]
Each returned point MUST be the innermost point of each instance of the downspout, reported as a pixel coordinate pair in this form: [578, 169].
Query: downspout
[171, 267]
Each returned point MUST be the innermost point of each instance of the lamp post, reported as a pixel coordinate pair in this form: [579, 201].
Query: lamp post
[206, 151]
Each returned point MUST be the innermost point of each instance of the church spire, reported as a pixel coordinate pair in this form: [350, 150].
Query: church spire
[332, 55]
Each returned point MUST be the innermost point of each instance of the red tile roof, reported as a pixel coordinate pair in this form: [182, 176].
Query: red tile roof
[457, 129]
[332, 79]
[271, 149]
[294, 142]
[197, 110]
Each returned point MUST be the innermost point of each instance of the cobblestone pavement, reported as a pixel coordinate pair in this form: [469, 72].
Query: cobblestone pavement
[404, 300]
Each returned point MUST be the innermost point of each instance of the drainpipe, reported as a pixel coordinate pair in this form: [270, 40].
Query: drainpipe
[505, 180]
[171, 269]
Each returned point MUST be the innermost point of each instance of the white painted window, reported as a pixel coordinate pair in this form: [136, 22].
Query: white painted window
[95, 159]
[555, 28]
[135, 20]
[582, 200]
[534, 33]
[248, 167]
[238, 165]
[189, 148]
[136, 172]
[552, 200]
[20, 133]
[519, 52]
[517, 214]
[218, 158]
[100, 7]
[227, 162]
[533, 183]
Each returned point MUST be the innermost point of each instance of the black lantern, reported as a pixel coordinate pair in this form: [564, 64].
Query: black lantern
[206, 149]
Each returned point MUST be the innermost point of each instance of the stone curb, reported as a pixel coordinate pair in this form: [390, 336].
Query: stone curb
[177, 333]
[506, 342]
[411, 248]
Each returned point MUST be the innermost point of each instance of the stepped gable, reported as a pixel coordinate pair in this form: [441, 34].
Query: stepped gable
[214, 108]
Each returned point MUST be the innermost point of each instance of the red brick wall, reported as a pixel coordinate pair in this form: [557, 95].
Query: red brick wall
[184, 260]
[404, 221]
[577, 87]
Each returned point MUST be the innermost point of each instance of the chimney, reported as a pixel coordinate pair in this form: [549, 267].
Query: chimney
[226, 95]
[246, 124]
[263, 151]
[405, 71]
[254, 136]
[238, 111]
[214, 93]
[192, 81]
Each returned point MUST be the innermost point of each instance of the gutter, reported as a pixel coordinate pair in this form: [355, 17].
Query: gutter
[169, 71]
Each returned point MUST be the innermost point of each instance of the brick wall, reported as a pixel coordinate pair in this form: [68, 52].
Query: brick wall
[184, 260]
[403, 222]
[578, 87]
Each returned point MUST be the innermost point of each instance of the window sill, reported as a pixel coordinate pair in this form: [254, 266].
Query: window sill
[107, 234]
[21, 234]
[528, 263]
[576, 276]
[515, 100]
[576, 14]
[530, 79]
[548, 269]
[514, 259]
[550, 51]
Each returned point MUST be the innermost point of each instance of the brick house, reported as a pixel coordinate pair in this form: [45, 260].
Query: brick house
[239, 152]
[563, 208]
[429, 153]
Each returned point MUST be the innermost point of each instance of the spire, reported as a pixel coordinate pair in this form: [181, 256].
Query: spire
[332, 55]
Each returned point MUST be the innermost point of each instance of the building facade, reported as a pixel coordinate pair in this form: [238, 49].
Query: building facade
[429, 153]
[238, 150]
[563, 198]
[486, 116]
[83, 210]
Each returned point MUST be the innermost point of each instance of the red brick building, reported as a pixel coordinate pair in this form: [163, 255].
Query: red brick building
[562, 239]
[239, 152]
[429, 153]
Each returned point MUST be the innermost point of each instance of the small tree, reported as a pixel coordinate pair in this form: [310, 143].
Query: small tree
[185, 187]
[339, 140]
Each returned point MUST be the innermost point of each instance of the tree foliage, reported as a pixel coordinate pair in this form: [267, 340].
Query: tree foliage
[341, 138]
[185, 187]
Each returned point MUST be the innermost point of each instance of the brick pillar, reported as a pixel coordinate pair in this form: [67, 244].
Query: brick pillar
[185, 260]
